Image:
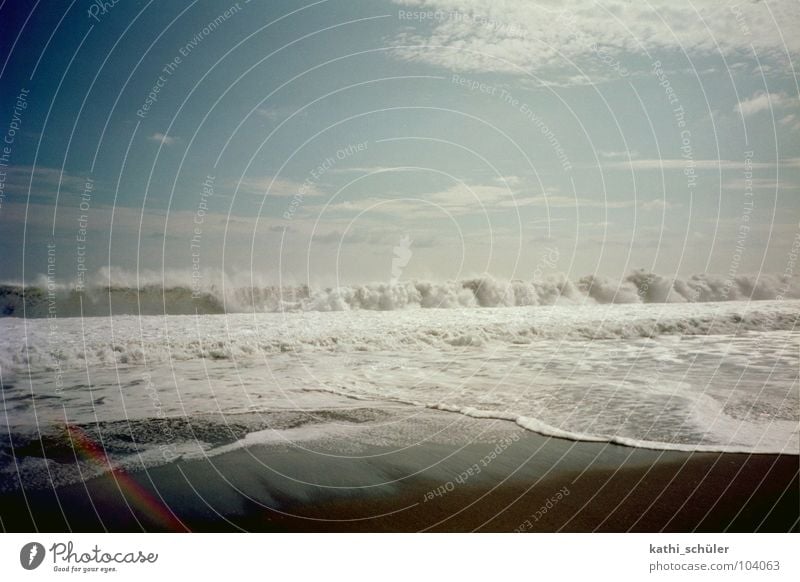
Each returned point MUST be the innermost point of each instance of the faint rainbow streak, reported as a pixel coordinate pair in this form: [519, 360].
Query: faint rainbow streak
[142, 499]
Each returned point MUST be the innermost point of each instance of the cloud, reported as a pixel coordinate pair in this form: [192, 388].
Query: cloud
[470, 197]
[457, 200]
[270, 113]
[681, 164]
[332, 236]
[281, 228]
[610, 155]
[764, 102]
[372, 205]
[791, 122]
[526, 37]
[461, 200]
[742, 184]
[511, 181]
[163, 139]
[558, 201]
[658, 204]
[125, 220]
[373, 236]
[44, 181]
[370, 169]
[272, 186]
[275, 114]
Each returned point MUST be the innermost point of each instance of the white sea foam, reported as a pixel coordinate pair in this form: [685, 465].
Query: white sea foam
[36, 345]
[673, 376]
[119, 292]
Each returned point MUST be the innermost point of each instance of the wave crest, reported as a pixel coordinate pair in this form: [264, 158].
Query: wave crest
[170, 297]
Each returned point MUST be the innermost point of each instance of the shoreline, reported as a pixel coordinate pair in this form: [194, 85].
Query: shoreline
[504, 479]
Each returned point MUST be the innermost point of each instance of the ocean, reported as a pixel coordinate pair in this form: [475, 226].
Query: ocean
[83, 395]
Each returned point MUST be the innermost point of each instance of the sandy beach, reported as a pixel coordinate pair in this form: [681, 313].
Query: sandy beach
[504, 480]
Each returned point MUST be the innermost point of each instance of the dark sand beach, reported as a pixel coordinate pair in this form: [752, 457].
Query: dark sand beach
[525, 482]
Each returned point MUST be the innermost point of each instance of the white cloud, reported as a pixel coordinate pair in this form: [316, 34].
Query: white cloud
[262, 185]
[46, 181]
[470, 196]
[369, 169]
[456, 200]
[522, 37]
[270, 113]
[369, 235]
[791, 122]
[510, 181]
[163, 139]
[463, 200]
[132, 226]
[764, 102]
[617, 155]
[658, 204]
[742, 184]
[681, 164]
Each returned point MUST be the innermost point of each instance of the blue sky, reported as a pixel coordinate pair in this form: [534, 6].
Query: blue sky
[660, 135]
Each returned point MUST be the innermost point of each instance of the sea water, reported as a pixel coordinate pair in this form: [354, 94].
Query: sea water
[713, 376]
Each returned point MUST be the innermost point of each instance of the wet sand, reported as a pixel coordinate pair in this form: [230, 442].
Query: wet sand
[519, 481]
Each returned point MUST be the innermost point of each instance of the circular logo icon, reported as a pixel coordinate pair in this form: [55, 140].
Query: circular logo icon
[31, 555]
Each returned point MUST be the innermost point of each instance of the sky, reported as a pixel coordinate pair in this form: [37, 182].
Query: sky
[343, 142]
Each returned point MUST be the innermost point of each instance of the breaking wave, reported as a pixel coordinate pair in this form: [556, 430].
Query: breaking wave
[172, 298]
[131, 341]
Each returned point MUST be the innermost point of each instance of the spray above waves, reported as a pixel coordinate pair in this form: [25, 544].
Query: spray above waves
[171, 297]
